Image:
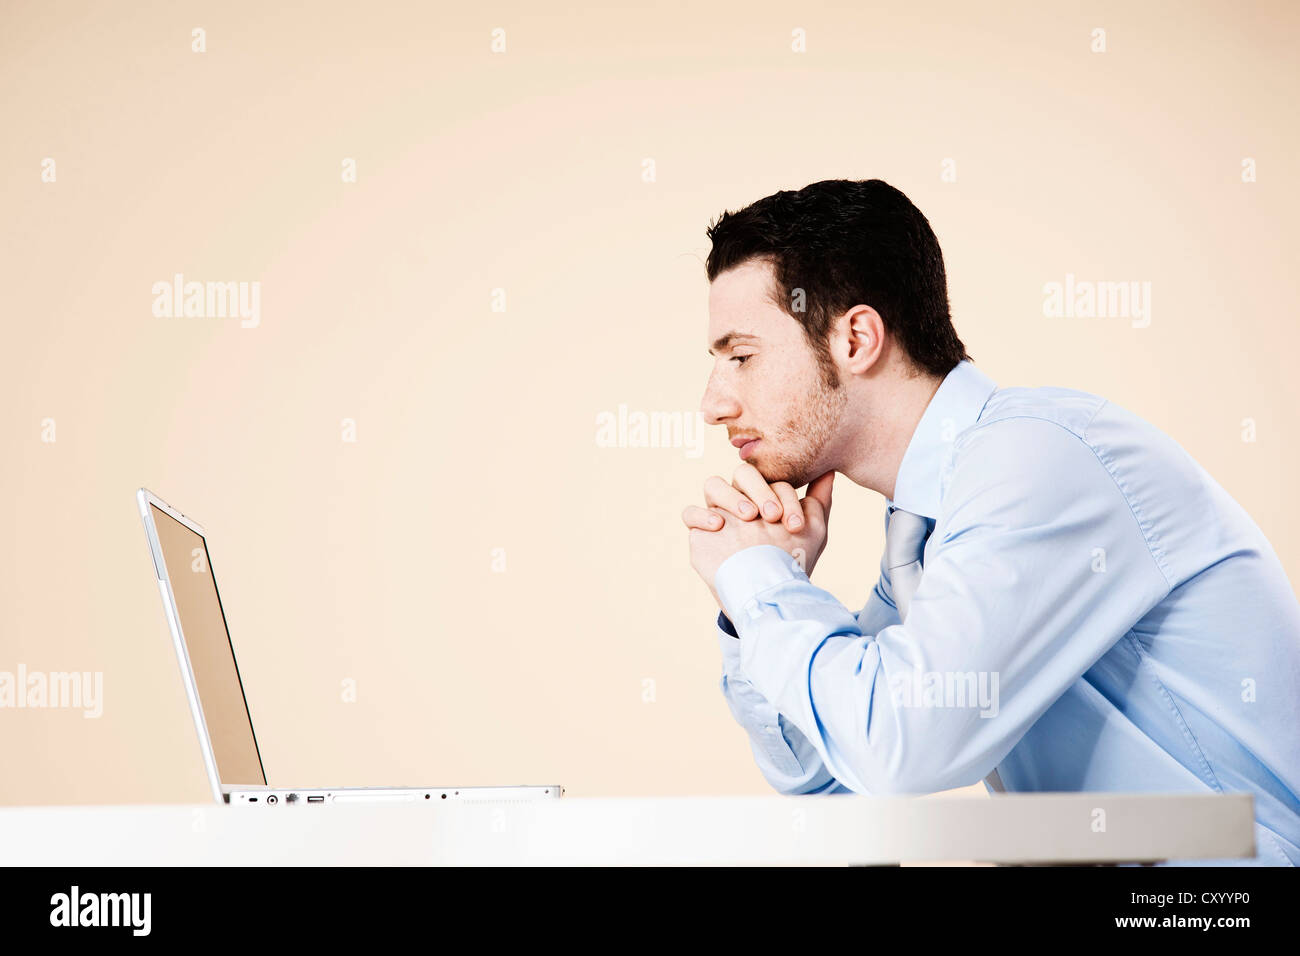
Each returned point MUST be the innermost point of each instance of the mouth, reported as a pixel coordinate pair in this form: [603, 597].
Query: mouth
[746, 447]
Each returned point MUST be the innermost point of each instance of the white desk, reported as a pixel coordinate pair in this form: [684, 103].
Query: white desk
[1008, 828]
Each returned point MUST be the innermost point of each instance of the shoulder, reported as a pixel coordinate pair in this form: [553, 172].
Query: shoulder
[1072, 423]
[1031, 446]
[1028, 430]
[1058, 460]
[1068, 408]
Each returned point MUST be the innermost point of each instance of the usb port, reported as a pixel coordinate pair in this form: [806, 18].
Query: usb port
[317, 799]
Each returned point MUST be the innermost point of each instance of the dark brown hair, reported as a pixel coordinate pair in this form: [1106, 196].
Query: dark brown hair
[845, 243]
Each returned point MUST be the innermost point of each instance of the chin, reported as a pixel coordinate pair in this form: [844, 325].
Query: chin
[773, 474]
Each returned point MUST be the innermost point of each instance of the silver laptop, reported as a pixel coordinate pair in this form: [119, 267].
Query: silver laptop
[216, 693]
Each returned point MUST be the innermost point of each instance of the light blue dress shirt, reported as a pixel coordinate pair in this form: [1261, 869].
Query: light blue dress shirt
[1095, 613]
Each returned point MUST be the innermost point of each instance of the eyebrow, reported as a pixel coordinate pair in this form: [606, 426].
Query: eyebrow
[726, 340]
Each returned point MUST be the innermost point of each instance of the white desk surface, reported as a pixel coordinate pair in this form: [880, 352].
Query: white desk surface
[1007, 828]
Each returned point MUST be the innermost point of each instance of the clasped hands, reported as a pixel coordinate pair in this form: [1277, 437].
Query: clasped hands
[727, 524]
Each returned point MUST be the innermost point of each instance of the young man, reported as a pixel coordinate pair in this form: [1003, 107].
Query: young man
[1067, 600]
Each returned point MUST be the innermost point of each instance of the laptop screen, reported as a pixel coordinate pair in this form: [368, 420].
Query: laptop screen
[203, 622]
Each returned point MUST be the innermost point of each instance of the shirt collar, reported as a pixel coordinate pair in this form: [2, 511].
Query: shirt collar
[953, 408]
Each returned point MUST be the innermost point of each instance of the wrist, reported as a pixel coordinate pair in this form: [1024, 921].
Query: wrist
[751, 571]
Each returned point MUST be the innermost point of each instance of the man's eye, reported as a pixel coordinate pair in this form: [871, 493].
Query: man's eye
[740, 359]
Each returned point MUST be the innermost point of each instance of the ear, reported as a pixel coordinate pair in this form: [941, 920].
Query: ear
[864, 333]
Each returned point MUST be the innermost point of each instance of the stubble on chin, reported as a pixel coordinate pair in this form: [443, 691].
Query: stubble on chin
[796, 452]
[812, 430]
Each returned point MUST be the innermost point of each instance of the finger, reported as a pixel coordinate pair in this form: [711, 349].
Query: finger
[748, 479]
[820, 492]
[693, 516]
[791, 510]
[719, 494]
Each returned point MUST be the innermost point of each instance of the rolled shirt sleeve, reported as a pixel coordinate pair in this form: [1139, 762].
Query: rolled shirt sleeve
[785, 757]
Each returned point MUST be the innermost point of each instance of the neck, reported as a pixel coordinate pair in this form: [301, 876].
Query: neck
[889, 411]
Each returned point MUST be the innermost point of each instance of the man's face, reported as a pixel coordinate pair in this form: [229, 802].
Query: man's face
[766, 381]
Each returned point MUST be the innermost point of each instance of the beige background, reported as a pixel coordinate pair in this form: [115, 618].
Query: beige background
[523, 171]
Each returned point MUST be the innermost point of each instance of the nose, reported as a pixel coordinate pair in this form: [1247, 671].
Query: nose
[718, 404]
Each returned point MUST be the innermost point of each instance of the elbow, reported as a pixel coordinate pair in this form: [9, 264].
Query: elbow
[902, 770]
[808, 788]
[928, 777]
[895, 784]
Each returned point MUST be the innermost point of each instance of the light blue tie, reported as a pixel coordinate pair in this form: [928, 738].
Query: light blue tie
[905, 536]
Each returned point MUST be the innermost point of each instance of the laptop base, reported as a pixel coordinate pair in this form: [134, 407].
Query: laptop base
[285, 796]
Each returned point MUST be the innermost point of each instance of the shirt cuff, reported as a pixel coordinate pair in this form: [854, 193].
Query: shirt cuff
[750, 572]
